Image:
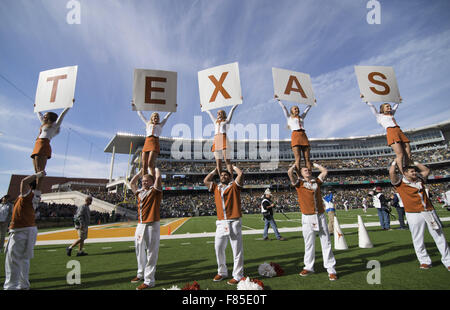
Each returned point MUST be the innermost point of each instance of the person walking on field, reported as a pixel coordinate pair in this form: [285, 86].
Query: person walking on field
[5, 216]
[82, 220]
[267, 211]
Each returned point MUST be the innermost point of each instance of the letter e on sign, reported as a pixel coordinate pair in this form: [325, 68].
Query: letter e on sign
[149, 89]
[155, 90]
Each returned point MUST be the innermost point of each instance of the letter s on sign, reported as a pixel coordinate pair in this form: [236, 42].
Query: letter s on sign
[386, 87]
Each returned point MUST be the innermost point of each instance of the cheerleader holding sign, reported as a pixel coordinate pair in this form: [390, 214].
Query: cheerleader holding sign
[151, 148]
[42, 151]
[299, 140]
[396, 139]
[220, 145]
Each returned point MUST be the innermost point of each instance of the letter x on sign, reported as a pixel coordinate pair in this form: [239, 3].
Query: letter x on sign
[219, 87]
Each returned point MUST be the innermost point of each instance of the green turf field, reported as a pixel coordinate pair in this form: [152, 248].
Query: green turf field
[113, 265]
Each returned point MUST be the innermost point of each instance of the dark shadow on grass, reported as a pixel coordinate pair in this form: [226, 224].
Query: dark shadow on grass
[86, 284]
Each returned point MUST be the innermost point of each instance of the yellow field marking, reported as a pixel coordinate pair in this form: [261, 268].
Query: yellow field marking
[115, 230]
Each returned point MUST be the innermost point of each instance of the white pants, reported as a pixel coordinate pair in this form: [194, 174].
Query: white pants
[146, 240]
[329, 262]
[19, 251]
[221, 242]
[417, 226]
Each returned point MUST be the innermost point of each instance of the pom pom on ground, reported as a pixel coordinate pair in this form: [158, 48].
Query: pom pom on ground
[191, 287]
[172, 288]
[279, 271]
[266, 270]
[270, 270]
[247, 284]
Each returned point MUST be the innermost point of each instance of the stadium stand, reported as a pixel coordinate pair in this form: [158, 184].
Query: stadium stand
[355, 164]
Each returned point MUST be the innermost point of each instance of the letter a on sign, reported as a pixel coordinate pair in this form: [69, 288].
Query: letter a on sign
[155, 90]
[219, 86]
[377, 83]
[56, 89]
[293, 86]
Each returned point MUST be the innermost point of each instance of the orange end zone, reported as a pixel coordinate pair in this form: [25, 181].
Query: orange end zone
[115, 230]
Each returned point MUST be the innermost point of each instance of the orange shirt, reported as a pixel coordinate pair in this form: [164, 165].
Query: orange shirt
[149, 202]
[309, 196]
[23, 212]
[414, 196]
[228, 200]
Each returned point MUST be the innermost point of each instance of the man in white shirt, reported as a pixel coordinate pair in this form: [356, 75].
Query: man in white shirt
[5, 217]
[380, 203]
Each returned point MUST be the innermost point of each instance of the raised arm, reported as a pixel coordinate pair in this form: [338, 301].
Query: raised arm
[230, 115]
[211, 116]
[163, 122]
[209, 178]
[158, 181]
[392, 175]
[25, 183]
[395, 106]
[133, 183]
[305, 111]
[61, 116]
[40, 117]
[286, 112]
[323, 171]
[371, 106]
[292, 178]
[424, 170]
[240, 176]
[142, 117]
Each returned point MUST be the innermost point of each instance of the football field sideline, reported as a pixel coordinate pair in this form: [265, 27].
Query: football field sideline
[120, 232]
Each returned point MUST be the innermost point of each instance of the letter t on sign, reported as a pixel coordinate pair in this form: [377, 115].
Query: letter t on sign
[149, 89]
[55, 80]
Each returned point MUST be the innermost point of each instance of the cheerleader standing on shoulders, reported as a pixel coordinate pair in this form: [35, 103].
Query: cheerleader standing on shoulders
[220, 145]
[42, 151]
[396, 139]
[151, 150]
[299, 140]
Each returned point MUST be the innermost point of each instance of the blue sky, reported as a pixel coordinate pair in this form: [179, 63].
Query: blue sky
[323, 38]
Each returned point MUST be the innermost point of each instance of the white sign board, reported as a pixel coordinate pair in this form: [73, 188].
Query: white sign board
[155, 90]
[377, 83]
[220, 86]
[56, 89]
[293, 86]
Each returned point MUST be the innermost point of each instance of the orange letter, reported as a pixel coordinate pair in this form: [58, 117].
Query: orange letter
[386, 86]
[55, 80]
[149, 89]
[219, 87]
[293, 79]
